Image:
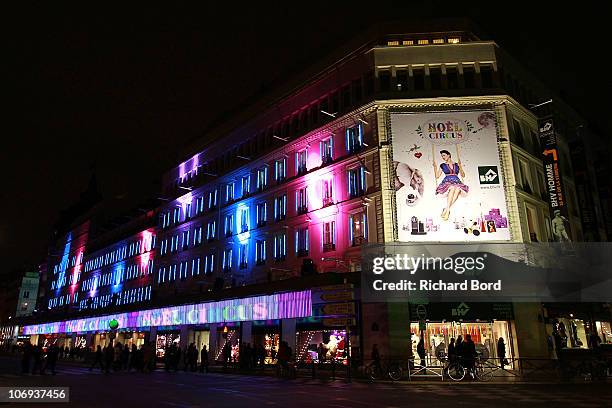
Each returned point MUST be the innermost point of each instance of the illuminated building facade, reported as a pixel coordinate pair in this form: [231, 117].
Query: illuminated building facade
[290, 189]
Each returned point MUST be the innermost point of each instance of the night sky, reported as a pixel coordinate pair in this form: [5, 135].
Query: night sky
[120, 92]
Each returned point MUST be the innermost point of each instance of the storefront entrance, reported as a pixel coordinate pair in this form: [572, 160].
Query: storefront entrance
[485, 335]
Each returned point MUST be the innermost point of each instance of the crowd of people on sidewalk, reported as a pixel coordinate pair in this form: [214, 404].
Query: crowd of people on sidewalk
[37, 360]
[123, 358]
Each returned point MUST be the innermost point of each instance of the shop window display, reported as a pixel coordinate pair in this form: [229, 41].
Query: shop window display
[228, 340]
[570, 333]
[321, 346]
[165, 340]
[485, 336]
[604, 332]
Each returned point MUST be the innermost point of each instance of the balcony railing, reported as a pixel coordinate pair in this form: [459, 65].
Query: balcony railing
[327, 201]
[303, 209]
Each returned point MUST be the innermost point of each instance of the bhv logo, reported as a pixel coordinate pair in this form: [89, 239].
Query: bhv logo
[461, 310]
[488, 175]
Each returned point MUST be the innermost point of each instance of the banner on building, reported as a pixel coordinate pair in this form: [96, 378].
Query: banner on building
[557, 203]
[448, 180]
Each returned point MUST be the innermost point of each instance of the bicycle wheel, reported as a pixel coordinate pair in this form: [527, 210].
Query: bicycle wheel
[483, 373]
[456, 372]
[395, 372]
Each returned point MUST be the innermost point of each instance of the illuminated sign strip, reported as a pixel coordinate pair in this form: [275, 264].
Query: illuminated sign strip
[277, 306]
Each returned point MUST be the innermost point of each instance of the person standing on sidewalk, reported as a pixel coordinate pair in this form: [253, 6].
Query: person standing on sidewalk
[98, 357]
[52, 353]
[469, 354]
[27, 356]
[501, 352]
[204, 360]
[37, 357]
[421, 351]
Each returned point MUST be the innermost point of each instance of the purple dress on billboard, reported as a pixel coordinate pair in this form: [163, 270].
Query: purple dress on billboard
[451, 179]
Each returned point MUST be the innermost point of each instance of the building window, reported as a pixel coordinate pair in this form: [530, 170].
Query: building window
[423, 42]
[435, 78]
[229, 192]
[242, 256]
[176, 215]
[327, 150]
[454, 40]
[300, 161]
[354, 138]
[384, 80]
[262, 178]
[392, 43]
[280, 207]
[301, 201]
[327, 192]
[209, 264]
[468, 77]
[452, 78]
[229, 224]
[438, 40]
[183, 270]
[402, 80]
[262, 214]
[195, 266]
[260, 252]
[418, 75]
[197, 236]
[486, 76]
[244, 220]
[212, 199]
[517, 133]
[525, 176]
[280, 247]
[227, 260]
[199, 205]
[329, 236]
[187, 211]
[172, 273]
[356, 182]
[280, 170]
[185, 239]
[358, 229]
[301, 242]
[26, 294]
[211, 230]
[246, 186]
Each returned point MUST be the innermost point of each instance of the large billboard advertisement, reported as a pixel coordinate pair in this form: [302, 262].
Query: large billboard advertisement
[448, 179]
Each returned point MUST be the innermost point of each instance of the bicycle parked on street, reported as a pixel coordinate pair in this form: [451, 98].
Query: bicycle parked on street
[378, 370]
[456, 370]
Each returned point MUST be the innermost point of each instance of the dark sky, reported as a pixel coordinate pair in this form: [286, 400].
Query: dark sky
[122, 90]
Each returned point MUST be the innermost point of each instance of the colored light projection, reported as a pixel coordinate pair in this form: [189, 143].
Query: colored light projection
[277, 306]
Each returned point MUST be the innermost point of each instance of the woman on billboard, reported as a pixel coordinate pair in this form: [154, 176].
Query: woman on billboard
[451, 185]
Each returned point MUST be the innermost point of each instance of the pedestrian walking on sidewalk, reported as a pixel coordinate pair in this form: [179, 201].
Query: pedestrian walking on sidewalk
[98, 359]
[204, 360]
[421, 350]
[37, 357]
[27, 356]
[501, 352]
